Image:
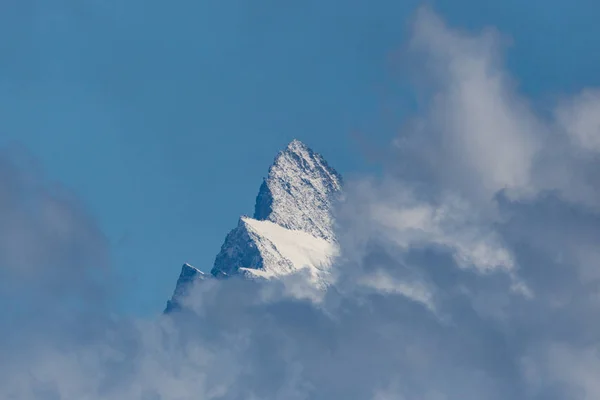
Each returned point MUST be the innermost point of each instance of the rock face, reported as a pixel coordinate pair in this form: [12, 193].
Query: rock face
[298, 192]
[292, 226]
[187, 277]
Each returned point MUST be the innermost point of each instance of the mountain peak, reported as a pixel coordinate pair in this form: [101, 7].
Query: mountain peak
[292, 227]
[297, 146]
[298, 191]
[187, 277]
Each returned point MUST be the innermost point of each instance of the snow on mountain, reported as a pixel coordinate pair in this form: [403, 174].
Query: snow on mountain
[292, 227]
[299, 191]
[269, 250]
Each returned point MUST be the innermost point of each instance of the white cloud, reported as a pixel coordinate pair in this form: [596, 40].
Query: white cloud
[478, 134]
[580, 118]
[382, 282]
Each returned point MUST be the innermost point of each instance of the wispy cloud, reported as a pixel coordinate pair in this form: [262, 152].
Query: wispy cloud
[473, 275]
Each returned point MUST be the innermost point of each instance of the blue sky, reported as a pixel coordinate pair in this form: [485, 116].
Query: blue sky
[163, 118]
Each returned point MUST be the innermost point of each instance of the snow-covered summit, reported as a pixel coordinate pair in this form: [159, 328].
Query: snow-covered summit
[292, 226]
[298, 191]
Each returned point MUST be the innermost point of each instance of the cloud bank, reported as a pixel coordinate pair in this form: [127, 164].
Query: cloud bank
[469, 271]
